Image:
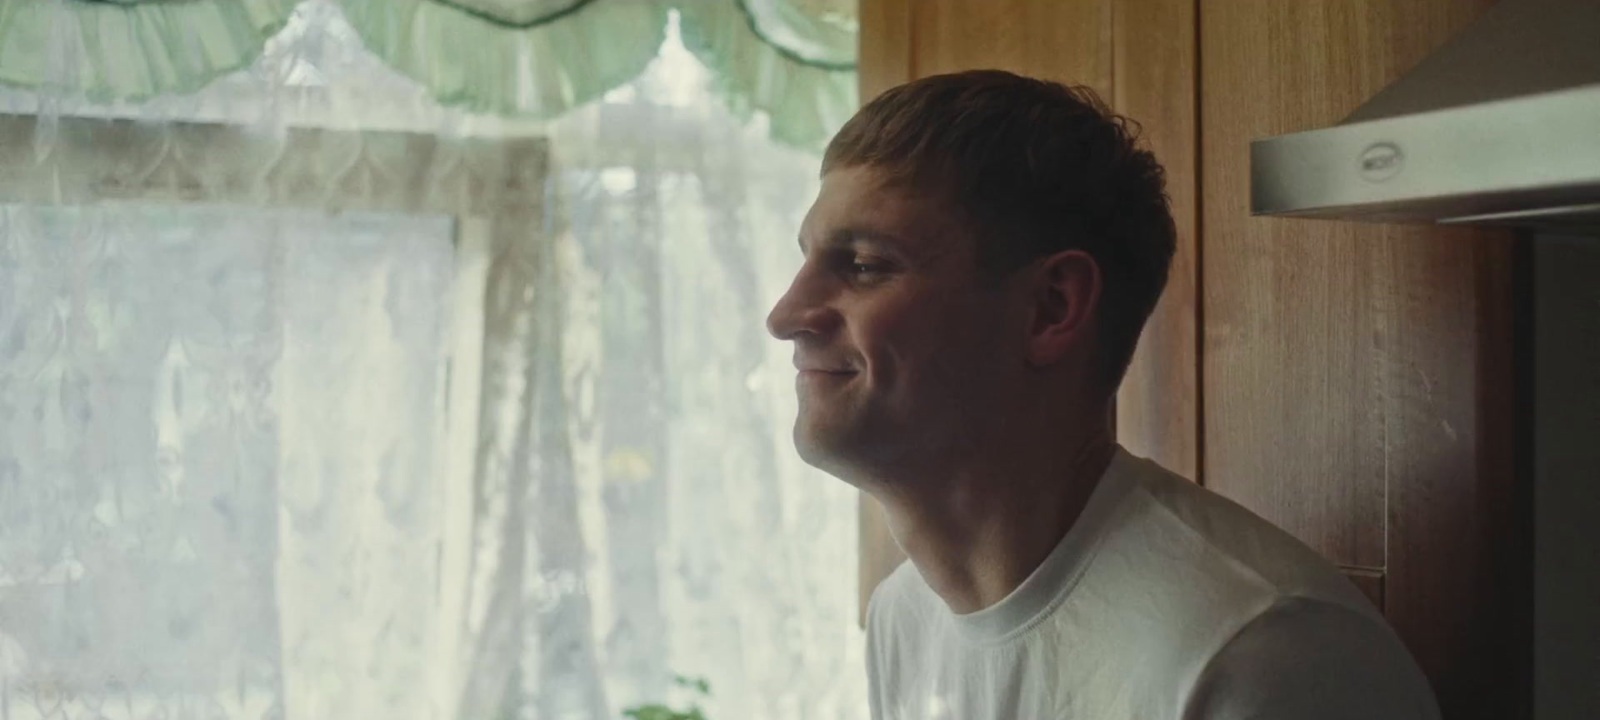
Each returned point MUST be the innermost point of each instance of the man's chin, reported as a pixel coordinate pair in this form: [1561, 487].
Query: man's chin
[833, 450]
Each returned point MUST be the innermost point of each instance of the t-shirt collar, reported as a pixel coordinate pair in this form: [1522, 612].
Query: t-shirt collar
[1053, 580]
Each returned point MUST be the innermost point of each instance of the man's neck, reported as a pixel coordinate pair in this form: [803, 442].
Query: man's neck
[977, 534]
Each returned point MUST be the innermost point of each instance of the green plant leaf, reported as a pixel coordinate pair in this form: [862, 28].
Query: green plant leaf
[657, 711]
[651, 712]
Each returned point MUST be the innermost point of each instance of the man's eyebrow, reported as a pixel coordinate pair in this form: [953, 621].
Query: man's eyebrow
[847, 236]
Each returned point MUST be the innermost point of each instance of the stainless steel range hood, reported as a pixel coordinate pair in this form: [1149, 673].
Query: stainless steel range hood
[1501, 125]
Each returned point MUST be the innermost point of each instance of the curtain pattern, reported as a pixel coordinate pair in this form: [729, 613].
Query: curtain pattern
[195, 463]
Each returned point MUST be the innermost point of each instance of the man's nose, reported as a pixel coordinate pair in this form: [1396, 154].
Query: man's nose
[803, 309]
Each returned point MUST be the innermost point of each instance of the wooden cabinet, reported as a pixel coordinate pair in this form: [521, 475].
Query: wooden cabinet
[1154, 52]
[1357, 379]
[1353, 383]
[1065, 41]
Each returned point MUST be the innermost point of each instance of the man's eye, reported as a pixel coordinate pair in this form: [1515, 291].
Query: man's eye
[869, 267]
[861, 269]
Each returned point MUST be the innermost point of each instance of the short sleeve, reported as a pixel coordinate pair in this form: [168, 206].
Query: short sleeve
[1312, 660]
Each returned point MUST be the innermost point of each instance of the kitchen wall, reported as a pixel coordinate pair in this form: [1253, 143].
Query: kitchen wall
[1566, 558]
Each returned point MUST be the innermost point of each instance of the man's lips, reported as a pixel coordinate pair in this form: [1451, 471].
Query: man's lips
[819, 374]
[822, 366]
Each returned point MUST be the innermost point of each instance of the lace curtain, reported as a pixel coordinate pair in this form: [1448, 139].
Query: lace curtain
[320, 399]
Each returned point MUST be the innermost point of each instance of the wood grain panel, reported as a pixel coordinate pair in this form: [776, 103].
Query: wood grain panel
[885, 46]
[1153, 81]
[1459, 570]
[1357, 379]
[1069, 42]
[1297, 326]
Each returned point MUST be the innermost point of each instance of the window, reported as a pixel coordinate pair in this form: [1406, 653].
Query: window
[520, 444]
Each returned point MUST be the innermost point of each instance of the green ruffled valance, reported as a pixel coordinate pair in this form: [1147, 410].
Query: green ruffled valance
[791, 59]
[132, 50]
[538, 69]
[808, 90]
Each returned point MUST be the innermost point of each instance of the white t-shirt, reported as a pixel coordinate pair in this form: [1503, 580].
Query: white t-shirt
[1163, 601]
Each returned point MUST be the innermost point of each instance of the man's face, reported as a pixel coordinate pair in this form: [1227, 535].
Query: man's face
[904, 350]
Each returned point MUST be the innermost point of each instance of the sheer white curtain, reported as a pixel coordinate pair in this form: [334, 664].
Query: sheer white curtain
[193, 465]
[350, 459]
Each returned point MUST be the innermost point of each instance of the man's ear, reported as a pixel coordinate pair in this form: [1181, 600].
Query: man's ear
[1066, 295]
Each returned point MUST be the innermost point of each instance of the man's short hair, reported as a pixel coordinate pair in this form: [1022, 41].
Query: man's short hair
[1034, 168]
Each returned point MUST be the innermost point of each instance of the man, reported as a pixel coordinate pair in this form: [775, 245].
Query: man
[979, 263]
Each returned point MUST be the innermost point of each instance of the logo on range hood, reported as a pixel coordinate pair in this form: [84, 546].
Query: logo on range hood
[1381, 161]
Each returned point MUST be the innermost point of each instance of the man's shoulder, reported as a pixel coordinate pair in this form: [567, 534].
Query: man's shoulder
[1179, 570]
[1309, 658]
[1177, 516]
